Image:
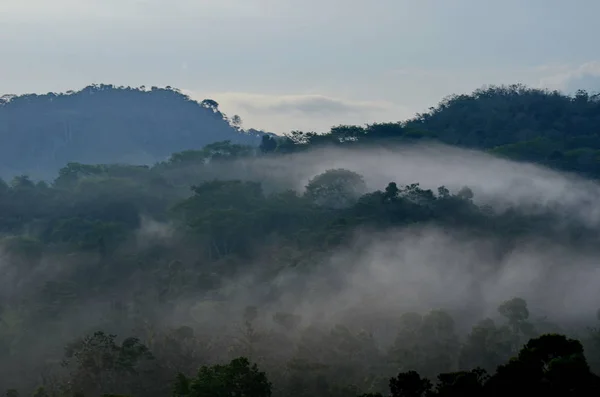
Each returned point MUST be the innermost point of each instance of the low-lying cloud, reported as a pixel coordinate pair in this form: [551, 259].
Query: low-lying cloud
[316, 112]
[570, 78]
[428, 268]
[318, 105]
[423, 268]
[370, 282]
[498, 182]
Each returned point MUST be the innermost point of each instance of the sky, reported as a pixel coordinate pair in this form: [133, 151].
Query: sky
[301, 64]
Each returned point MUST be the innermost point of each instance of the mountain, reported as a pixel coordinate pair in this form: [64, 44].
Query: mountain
[518, 122]
[39, 134]
[332, 260]
[522, 123]
[106, 124]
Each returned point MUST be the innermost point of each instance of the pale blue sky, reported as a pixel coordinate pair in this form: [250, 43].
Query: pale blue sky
[301, 64]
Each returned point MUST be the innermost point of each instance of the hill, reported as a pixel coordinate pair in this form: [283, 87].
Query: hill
[336, 262]
[521, 123]
[103, 124]
[106, 124]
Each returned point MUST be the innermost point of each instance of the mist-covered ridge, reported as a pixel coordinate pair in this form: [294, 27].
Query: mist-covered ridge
[362, 260]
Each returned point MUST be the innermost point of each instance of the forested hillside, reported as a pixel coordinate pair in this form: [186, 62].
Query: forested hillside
[103, 124]
[526, 124]
[390, 259]
[108, 124]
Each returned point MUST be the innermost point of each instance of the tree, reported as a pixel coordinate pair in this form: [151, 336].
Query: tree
[22, 182]
[462, 383]
[410, 384]
[210, 104]
[343, 133]
[107, 124]
[551, 364]
[391, 191]
[516, 312]
[335, 188]
[98, 364]
[41, 392]
[238, 378]
[426, 344]
[236, 121]
[268, 144]
[486, 346]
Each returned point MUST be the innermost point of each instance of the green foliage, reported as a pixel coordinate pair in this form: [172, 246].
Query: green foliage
[487, 345]
[40, 392]
[549, 365]
[238, 378]
[268, 144]
[106, 124]
[410, 384]
[133, 250]
[513, 121]
[93, 222]
[427, 344]
[97, 363]
[337, 188]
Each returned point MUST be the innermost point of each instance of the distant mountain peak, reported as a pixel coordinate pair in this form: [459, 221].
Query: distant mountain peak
[102, 123]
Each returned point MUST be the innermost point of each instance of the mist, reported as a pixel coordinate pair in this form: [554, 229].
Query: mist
[368, 283]
[500, 183]
[424, 268]
[495, 181]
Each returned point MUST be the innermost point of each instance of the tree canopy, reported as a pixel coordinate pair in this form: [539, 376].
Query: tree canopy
[108, 124]
[235, 265]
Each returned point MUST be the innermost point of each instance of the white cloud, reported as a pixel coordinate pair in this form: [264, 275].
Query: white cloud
[324, 52]
[314, 105]
[570, 77]
[281, 113]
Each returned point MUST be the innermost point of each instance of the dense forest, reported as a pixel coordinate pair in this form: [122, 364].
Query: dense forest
[447, 255]
[518, 122]
[104, 124]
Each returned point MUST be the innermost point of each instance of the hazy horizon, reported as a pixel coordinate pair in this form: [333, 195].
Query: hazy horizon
[149, 247]
[288, 65]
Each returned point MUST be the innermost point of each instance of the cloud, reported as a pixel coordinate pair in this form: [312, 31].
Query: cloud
[420, 268]
[317, 112]
[314, 105]
[570, 78]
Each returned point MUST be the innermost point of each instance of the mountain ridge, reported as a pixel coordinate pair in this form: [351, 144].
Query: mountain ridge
[103, 123]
